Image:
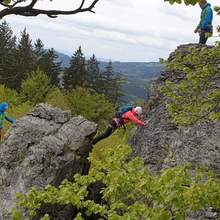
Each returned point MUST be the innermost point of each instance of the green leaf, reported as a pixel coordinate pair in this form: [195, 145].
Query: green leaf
[7, 2]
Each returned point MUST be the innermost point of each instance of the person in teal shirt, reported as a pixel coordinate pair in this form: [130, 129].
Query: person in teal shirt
[205, 28]
[3, 116]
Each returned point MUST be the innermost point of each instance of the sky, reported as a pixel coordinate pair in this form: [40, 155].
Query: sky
[120, 30]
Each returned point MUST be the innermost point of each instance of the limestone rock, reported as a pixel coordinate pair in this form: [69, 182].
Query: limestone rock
[44, 147]
[162, 144]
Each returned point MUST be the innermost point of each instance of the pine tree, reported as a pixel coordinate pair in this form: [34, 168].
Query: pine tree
[112, 84]
[8, 70]
[108, 81]
[49, 64]
[117, 92]
[25, 55]
[46, 60]
[76, 74]
[53, 67]
[94, 75]
[39, 50]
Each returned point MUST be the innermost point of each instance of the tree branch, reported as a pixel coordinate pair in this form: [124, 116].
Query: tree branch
[83, 1]
[32, 3]
[29, 10]
[16, 2]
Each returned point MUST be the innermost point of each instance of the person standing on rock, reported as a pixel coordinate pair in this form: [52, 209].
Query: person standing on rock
[3, 108]
[205, 28]
[117, 122]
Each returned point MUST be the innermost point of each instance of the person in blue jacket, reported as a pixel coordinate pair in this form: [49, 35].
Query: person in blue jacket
[205, 28]
[3, 108]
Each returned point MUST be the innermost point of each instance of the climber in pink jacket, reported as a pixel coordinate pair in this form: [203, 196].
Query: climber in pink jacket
[130, 116]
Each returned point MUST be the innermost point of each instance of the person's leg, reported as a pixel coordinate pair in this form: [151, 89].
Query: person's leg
[104, 135]
[203, 39]
[110, 129]
[1, 134]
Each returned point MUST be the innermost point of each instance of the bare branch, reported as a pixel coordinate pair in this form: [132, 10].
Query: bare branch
[52, 16]
[29, 10]
[83, 1]
[93, 4]
[16, 2]
[32, 3]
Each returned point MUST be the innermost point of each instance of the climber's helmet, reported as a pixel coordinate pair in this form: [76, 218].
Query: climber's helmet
[138, 110]
[3, 106]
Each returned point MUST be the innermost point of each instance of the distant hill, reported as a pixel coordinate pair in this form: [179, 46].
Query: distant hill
[140, 69]
[138, 75]
[65, 59]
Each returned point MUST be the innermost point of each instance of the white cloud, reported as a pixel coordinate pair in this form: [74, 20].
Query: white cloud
[134, 30]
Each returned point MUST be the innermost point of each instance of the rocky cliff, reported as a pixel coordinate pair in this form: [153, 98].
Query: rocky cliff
[163, 144]
[44, 147]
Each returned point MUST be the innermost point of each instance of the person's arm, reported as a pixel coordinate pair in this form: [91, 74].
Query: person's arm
[205, 23]
[135, 120]
[10, 119]
[197, 28]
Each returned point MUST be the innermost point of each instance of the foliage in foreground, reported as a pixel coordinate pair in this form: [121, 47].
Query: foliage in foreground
[129, 191]
[197, 97]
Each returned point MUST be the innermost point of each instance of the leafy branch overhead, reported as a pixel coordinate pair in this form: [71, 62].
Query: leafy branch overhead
[24, 8]
[187, 2]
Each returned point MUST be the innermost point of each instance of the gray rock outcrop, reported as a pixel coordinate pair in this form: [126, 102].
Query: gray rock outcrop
[44, 147]
[163, 144]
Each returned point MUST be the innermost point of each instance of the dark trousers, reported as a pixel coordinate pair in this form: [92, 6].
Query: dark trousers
[1, 134]
[109, 130]
[203, 39]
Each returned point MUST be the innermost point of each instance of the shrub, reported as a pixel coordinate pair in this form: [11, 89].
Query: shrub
[36, 87]
[129, 190]
[57, 98]
[90, 104]
[197, 96]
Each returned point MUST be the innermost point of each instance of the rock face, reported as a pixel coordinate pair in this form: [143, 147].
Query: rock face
[163, 144]
[44, 147]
